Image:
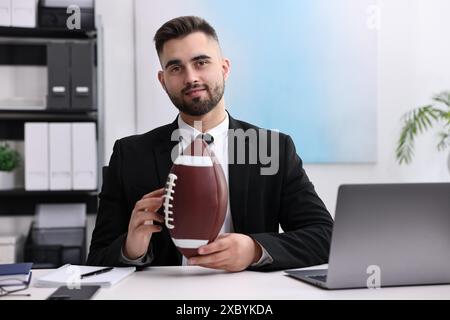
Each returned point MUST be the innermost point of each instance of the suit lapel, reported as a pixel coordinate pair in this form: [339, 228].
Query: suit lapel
[162, 152]
[238, 176]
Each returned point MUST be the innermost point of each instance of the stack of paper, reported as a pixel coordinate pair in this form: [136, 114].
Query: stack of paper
[70, 275]
[60, 215]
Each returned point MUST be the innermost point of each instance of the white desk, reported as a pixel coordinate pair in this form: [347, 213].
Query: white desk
[192, 283]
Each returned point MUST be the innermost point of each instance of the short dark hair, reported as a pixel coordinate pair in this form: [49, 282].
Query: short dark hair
[181, 27]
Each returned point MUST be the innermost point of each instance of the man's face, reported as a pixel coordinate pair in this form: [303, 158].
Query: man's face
[194, 73]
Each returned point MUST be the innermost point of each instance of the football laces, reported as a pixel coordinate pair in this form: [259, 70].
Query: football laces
[168, 197]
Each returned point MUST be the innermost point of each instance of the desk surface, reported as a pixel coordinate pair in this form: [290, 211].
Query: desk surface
[196, 283]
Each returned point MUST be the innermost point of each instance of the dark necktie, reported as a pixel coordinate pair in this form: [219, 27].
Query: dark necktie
[207, 137]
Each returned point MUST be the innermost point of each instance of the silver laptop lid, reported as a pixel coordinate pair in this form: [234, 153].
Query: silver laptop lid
[390, 234]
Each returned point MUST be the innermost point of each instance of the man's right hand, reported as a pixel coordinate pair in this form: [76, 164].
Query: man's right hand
[141, 226]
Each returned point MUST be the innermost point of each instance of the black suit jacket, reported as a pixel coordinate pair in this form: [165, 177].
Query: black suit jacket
[259, 203]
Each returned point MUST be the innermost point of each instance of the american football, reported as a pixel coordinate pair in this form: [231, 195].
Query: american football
[195, 198]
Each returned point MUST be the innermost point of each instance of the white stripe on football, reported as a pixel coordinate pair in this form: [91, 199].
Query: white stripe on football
[189, 243]
[194, 161]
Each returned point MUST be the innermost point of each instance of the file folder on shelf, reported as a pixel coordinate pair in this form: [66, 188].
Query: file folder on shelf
[58, 68]
[84, 155]
[60, 156]
[36, 156]
[24, 13]
[83, 76]
[5, 13]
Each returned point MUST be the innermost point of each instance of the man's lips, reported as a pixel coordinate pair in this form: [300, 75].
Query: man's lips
[194, 92]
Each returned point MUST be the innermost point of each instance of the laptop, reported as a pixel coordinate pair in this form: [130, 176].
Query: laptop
[387, 235]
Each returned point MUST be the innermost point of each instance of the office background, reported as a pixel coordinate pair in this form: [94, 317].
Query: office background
[302, 67]
[412, 64]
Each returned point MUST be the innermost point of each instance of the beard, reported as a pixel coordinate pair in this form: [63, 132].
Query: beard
[198, 106]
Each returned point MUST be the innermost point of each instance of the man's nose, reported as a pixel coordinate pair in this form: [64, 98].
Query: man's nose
[190, 76]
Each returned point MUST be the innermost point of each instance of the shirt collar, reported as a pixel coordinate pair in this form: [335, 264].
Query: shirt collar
[189, 133]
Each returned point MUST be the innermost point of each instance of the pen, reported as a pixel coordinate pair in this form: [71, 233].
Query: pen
[93, 273]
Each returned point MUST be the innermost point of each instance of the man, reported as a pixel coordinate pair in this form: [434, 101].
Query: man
[129, 229]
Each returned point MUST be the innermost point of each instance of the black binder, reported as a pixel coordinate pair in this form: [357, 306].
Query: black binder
[58, 64]
[83, 76]
[55, 15]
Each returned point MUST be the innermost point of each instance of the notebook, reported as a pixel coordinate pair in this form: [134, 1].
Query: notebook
[12, 273]
[68, 275]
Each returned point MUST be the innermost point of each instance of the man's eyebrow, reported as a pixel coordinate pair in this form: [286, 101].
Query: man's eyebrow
[178, 61]
[172, 62]
[201, 57]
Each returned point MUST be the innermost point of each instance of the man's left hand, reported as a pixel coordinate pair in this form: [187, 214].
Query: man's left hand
[230, 252]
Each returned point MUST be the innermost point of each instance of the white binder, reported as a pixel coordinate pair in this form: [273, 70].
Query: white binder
[36, 156]
[5, 13]
[60, 156]
[24, 13]
[84, 153]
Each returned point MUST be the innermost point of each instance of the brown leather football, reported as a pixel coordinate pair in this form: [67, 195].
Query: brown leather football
[196, 198]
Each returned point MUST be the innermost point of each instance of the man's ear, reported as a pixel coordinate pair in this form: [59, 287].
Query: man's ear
[161, 79]
[226, 68]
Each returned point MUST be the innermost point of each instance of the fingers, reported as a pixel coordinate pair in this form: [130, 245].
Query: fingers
[147, 229]
[213, 255]
[155, 193]
[151, 204]
[222, 265]
[144, 213]
[211, 259]
[219, 244]
[144, 218]
[231, 252]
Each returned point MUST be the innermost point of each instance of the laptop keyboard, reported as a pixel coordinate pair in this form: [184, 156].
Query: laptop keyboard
[319, 277]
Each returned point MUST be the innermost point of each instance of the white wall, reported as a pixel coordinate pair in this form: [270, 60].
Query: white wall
[154, 108]
[413, 64]
[119, 66]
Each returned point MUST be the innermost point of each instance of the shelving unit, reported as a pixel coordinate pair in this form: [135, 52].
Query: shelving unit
[12, 121]
[20, 201]
[26, 47]
[37, 34]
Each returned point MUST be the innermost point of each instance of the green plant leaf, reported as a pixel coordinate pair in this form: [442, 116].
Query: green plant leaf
[443, 97]
[9, 158]
[444, 140]
[419, 120]
[414, 122]
[405, 148]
